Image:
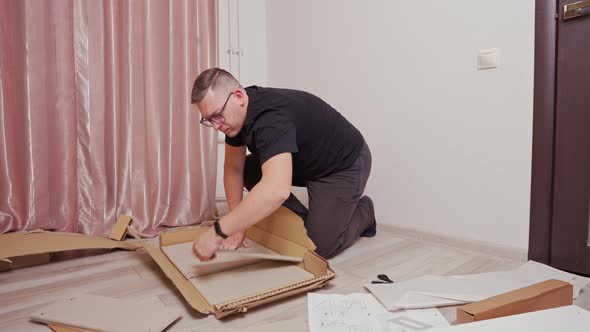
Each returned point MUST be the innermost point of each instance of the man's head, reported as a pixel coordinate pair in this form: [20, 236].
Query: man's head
[221, 100]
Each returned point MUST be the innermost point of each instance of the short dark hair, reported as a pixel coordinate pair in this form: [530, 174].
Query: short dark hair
[212, 78]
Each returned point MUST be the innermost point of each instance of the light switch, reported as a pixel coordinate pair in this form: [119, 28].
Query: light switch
[487, 59]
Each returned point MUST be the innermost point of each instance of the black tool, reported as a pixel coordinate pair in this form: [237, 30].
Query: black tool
[383, 279]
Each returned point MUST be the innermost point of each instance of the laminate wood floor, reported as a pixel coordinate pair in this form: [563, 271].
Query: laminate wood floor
[133, 275]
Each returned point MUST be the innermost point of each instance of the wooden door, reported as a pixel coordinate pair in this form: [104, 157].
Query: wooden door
[570, 248]
[560, 183]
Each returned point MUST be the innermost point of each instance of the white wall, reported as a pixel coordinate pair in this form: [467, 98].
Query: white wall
[451, 145]
[242, 49]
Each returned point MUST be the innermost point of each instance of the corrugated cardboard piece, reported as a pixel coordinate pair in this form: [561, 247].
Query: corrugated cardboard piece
[99, 313]
[282, 232]
[18, 262]
[120, 229]
[21, 249]
[544, 295]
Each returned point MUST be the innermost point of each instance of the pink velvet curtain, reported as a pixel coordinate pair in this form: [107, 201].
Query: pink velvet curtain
[95, 114]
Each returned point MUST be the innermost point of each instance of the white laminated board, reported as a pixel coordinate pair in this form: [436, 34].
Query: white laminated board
[531, 273]
[431, 291]
[434, 291]
[181, 255]
[100, 313]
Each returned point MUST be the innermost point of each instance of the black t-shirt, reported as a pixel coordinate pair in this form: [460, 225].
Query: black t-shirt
[320, 139]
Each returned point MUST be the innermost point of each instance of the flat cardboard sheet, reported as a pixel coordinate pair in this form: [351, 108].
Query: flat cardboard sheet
[28, 248]
[181, 255]
[222, 287]
[435, 291]
[569, 318]
[38, 242]
[98, 313]
[24, 261]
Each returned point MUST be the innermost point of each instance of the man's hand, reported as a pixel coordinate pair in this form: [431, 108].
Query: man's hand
[235, 241]
[205, 246]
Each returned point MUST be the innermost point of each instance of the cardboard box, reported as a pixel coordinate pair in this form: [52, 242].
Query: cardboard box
[544, 295]
[237, 290]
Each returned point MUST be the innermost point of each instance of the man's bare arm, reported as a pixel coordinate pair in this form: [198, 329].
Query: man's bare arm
[233, 174]
[266, 196]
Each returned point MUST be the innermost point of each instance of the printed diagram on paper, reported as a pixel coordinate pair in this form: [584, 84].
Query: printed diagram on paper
[363, 313]
[351, 313]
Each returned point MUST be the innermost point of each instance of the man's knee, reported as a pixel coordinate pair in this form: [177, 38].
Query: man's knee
[328, 248]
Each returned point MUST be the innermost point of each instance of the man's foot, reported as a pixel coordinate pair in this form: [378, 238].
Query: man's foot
[372, 229]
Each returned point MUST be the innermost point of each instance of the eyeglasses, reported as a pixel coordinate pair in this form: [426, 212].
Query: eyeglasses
[216, 118]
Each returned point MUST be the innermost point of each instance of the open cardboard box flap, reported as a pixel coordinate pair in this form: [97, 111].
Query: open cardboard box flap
[33, 247]
[282, 232]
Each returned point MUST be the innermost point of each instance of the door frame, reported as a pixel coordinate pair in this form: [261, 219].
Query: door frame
[543, 156]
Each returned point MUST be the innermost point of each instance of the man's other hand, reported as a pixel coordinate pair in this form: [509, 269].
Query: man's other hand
[235, 241]
[205, 246]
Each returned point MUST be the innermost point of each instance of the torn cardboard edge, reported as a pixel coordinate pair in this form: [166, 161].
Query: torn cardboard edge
[21, 249]
[282, 232]
[119, 231]
[543, 295]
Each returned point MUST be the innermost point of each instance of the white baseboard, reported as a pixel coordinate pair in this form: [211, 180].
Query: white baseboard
[451, 241]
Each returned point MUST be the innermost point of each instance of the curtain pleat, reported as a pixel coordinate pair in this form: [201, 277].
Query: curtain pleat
[95, 114]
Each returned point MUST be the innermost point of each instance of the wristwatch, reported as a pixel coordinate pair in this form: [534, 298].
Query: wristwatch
[218, 230]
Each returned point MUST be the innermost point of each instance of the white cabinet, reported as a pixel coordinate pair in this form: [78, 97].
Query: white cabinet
[242, 50]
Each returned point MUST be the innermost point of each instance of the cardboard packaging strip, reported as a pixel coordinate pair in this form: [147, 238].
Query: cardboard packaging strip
[544, 295]
[569, 318]
[29, 248]
[282, 232]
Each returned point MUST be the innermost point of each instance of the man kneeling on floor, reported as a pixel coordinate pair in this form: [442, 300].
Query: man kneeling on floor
[295, 138]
